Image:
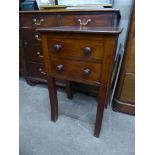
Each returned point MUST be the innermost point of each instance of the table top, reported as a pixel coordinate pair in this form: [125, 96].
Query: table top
[70, 10]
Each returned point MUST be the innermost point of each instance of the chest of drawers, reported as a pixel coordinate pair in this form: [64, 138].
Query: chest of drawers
[31, 20]
[80, 54]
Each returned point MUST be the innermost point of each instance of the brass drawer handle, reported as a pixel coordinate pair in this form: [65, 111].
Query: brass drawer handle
[60, 67]
[87, 71]
[37, 37]
[84, 21]
[41, 71]
[87, 51]
[38, 21]
[57, 47]
[39, 55]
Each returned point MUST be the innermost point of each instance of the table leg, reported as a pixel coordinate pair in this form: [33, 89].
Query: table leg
[69, 90]
[53, 98]
[100, 111]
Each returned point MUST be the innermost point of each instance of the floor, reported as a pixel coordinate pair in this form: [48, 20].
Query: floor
[72, 134]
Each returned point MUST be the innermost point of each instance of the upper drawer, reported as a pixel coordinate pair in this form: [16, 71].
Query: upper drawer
[35, 21]
[75, 47]
[106, 20]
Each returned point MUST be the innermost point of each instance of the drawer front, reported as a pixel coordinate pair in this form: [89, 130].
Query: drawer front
[76, 47]
[35, 21]
[105, 20]
[31, 37]
[33, 53]
[36, 70]
[76, 70]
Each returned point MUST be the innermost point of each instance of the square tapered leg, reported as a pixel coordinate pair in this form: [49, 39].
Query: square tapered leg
[53, 98]
[100, 111]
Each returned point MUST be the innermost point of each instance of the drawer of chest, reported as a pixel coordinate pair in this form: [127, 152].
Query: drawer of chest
[31, 37]
[33, 53]
[35, 21]
[76, 48]
[75, 70]
[105, 20]
[36, 70]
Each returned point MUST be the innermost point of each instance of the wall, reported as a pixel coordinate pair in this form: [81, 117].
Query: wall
[125, 7]
[81, 2]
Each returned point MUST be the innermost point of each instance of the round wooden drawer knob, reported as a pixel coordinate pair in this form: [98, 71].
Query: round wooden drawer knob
[87, 51]
[57, 47]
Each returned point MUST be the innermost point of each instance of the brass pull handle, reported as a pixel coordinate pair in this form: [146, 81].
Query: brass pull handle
[60, 67]
[41, 71]
[37, 37]
[57, 47]
[38, 21]
[87, 51]
[86, 71]
[84, 21]
[41, 56]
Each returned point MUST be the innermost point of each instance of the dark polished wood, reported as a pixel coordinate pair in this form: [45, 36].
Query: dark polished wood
[34, 53]
[69, 90]
[42, 20]
[22, 69]
[36, 70]
[72, 67]
[100, 110]
[82, 29]
[91, 43]
[89, 20]
[53, 98]
[72, 70]
[65, 11]
[30, 20]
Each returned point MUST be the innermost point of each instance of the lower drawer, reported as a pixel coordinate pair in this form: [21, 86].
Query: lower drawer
[79, 71]
[36, 70]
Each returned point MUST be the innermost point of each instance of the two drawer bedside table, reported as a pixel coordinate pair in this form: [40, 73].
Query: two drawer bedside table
[79, 54]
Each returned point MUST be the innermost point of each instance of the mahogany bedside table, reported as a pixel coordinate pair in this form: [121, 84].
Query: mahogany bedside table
[79, 54]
